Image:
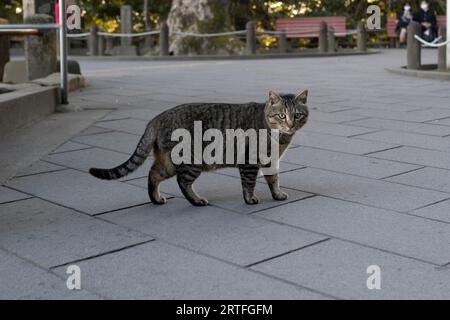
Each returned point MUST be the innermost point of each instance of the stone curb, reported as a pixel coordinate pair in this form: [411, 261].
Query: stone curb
[29, 102]
[243, 57]
[426, 74]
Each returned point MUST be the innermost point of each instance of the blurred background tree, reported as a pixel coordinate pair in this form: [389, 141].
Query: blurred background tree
[106, 13]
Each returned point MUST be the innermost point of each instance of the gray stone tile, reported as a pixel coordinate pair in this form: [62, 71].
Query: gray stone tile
[39, 167]
[71, 146]
[98, 158]
[396, 125]
[234, 172]
[444, 122]
[81, 191]
[117, 141]
[423, 157]
[51, 235]
[367, 191]
[346, 163]
[229, 236]
[409, 139]
[8, 195]
[328, 107]
[159, 105]
[225, 192]
[141, 114]
[333, 117]
[160, 271]
[335, 128]
[112, 117]
[439, 211]
[92, 130]
[340, 269]
[422, 115]
[133, 126]
[388, 230]
[21, 280]
[85, 159]
[110, 99]
[432, 178]
[389, 104]
[118, 90]
[339, 144]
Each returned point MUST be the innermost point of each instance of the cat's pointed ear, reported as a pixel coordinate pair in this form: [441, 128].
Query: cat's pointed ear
[302, 97]
[274, 98]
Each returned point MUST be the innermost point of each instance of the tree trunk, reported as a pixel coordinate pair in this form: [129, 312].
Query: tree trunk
[202, 16]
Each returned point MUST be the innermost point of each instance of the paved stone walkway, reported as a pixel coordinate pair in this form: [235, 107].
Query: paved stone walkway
[368, 178]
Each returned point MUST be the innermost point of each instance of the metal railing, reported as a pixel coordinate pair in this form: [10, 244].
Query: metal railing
[31, 29]
[434, 44]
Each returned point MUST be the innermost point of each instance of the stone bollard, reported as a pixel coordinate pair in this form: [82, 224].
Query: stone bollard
[40, 50]
[361, 34]
[4, 50]
[282, 43]
[323, 35]
[413, 48]
[251, 38]
[163, 39]
[126, 26]
[331, 40]
[109, 46]
[442, 51]
[101, 45]
[93, 40]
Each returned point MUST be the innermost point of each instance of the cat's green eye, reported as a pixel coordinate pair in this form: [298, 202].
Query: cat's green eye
[282, 116]
[298, 116]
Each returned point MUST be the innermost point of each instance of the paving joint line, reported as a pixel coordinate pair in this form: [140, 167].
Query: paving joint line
[352, 242]
[101, 254]
[401, 173]
[46, 270]
[361, 134]
[286, 253]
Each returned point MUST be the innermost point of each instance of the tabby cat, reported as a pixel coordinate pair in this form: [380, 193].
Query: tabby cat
[285, 112]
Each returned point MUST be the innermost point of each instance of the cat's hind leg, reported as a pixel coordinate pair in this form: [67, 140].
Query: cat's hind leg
[161, 170]
[274, 186]
[186, 175]
[249, 174]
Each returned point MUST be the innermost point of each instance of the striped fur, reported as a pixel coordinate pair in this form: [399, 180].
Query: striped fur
[141, 153]
[287, 113]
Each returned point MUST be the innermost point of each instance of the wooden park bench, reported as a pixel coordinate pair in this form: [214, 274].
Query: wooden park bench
[308, 27]
[391, 25]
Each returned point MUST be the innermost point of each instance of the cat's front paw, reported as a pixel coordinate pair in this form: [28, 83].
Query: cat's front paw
[280, 196]
[251, 200]
[201, 202]
[159, 200]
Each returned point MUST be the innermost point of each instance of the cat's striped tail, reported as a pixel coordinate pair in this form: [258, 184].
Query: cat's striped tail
[141, 153]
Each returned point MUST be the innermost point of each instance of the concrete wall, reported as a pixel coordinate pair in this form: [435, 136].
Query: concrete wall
[25, 106]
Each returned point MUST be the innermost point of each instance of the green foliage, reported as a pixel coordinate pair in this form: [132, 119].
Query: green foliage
[108, 12]
[11, 10]
[266, 12]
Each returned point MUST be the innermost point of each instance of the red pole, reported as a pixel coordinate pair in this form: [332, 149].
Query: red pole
[57, 11]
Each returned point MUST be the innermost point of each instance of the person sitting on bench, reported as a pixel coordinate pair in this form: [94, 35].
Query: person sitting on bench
[427, 19]
[404, 17]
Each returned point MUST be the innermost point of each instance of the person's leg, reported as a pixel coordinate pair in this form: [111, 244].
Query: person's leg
[402, 35]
